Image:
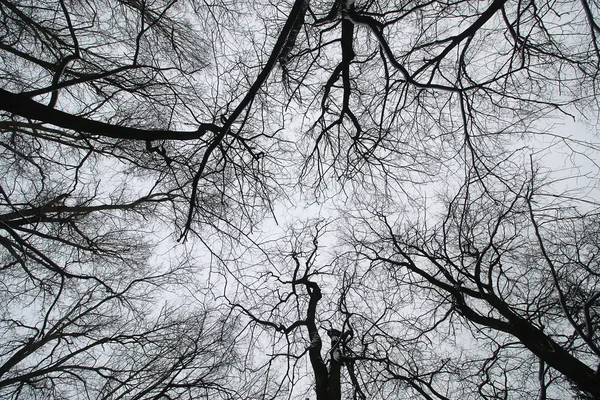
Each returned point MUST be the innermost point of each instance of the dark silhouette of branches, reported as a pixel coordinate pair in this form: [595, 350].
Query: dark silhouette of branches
[487, 264]
[460, 254]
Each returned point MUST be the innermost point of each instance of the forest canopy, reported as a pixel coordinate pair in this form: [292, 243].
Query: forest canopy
[299, 199]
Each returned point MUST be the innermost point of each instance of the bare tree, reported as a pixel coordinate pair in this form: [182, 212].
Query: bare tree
[311, 312]
[389, 91]
[121, 117]
[515, 266]
[123, 80]
[78, 312]
[290, 308]
[84, 190]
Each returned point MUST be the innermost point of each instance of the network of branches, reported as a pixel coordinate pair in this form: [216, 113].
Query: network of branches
[299, 199]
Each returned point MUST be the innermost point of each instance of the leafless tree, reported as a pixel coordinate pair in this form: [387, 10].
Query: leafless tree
[514, 268]
[335, 333]
[122, 117]
[290, 308]
[82, 201]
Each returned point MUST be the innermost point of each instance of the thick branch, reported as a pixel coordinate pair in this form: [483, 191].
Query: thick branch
[295, 14]
[314, 351]
[27, 108]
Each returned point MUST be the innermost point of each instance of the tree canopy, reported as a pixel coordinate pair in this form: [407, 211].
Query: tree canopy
[299, 199]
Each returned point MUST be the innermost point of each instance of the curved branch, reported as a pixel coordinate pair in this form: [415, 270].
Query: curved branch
[27, 108]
